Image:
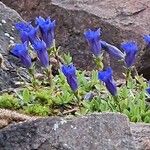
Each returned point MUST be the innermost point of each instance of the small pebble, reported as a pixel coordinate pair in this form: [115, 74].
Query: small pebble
[12, 38]
[55, 126]
[7, 34]
[11, 41]
[88, 96]
[3, 21]
[63, 121]
[75, 128]
[0, 24]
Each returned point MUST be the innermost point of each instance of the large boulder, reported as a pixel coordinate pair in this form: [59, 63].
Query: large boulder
[120, 21]
[106, 131]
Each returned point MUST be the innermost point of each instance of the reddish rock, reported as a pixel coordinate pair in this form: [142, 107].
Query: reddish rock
[120, 21]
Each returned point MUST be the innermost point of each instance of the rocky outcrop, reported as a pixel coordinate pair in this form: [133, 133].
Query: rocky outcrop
[106, 131]
[9, 71]
[120, 21]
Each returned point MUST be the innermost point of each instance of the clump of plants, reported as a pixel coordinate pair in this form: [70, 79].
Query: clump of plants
[71, 91]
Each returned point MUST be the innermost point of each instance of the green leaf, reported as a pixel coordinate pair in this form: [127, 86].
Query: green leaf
[67, 58]
[134, 119]
[26, 95]
[126, 112]
[147, 119]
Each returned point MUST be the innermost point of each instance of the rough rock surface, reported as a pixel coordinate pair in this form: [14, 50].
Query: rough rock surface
[8, 35]
[106, 131]
[120, 20]
[141, 134]
[8, 117]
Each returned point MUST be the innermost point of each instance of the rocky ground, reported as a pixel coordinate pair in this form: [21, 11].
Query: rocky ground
[107, 131]
[123, 20]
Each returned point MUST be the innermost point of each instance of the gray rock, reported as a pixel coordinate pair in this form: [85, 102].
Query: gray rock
[120, 21]
[8, 35]
[141, 134]
[106, 131]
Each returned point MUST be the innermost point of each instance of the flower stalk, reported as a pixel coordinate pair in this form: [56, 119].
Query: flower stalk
[49, 75]
[99, 62]
[117, 103]
[33, 78]
[128, 75]
[76, 94]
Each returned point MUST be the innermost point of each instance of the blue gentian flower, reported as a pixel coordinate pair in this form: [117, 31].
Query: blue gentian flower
[70, 72]
[47, 27]
[130, 48]
[106, 77]
[93, 39]
[147, 39]
[148, 89]
[27, 32]
[41, 50]
[112, 50]
[21, 51]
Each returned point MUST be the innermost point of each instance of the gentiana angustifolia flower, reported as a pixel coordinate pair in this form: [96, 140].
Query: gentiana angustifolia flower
[27, 32]
[106, 77]
[130, 48]
[47, 27]
[70, 72]
[148, 89]
[41, 50]
[21, 51]
[93, 39]
[112, 50]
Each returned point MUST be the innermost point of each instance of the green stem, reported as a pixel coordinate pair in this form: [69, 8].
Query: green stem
[77, 97]
[33, 80]
[128, 75]
[99, 62]
[135, 71]
[110, 106]
[117, 102]
[49, 75]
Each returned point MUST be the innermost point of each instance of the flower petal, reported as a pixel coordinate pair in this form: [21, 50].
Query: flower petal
[112, 50]
[40, 48]
[70, 72]
[131, 50]
[47, 28]
[21, 51]
[106, 77]
[93, 39]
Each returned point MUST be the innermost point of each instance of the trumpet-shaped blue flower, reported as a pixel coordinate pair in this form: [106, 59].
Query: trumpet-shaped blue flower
[47, 27]
[21, 51]
[147, 39]
[70, 72]
[106, 77]
[93, 39]
[148, 89]
[40, 48]
[130, 48]
[27, 32]
[112, 50]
